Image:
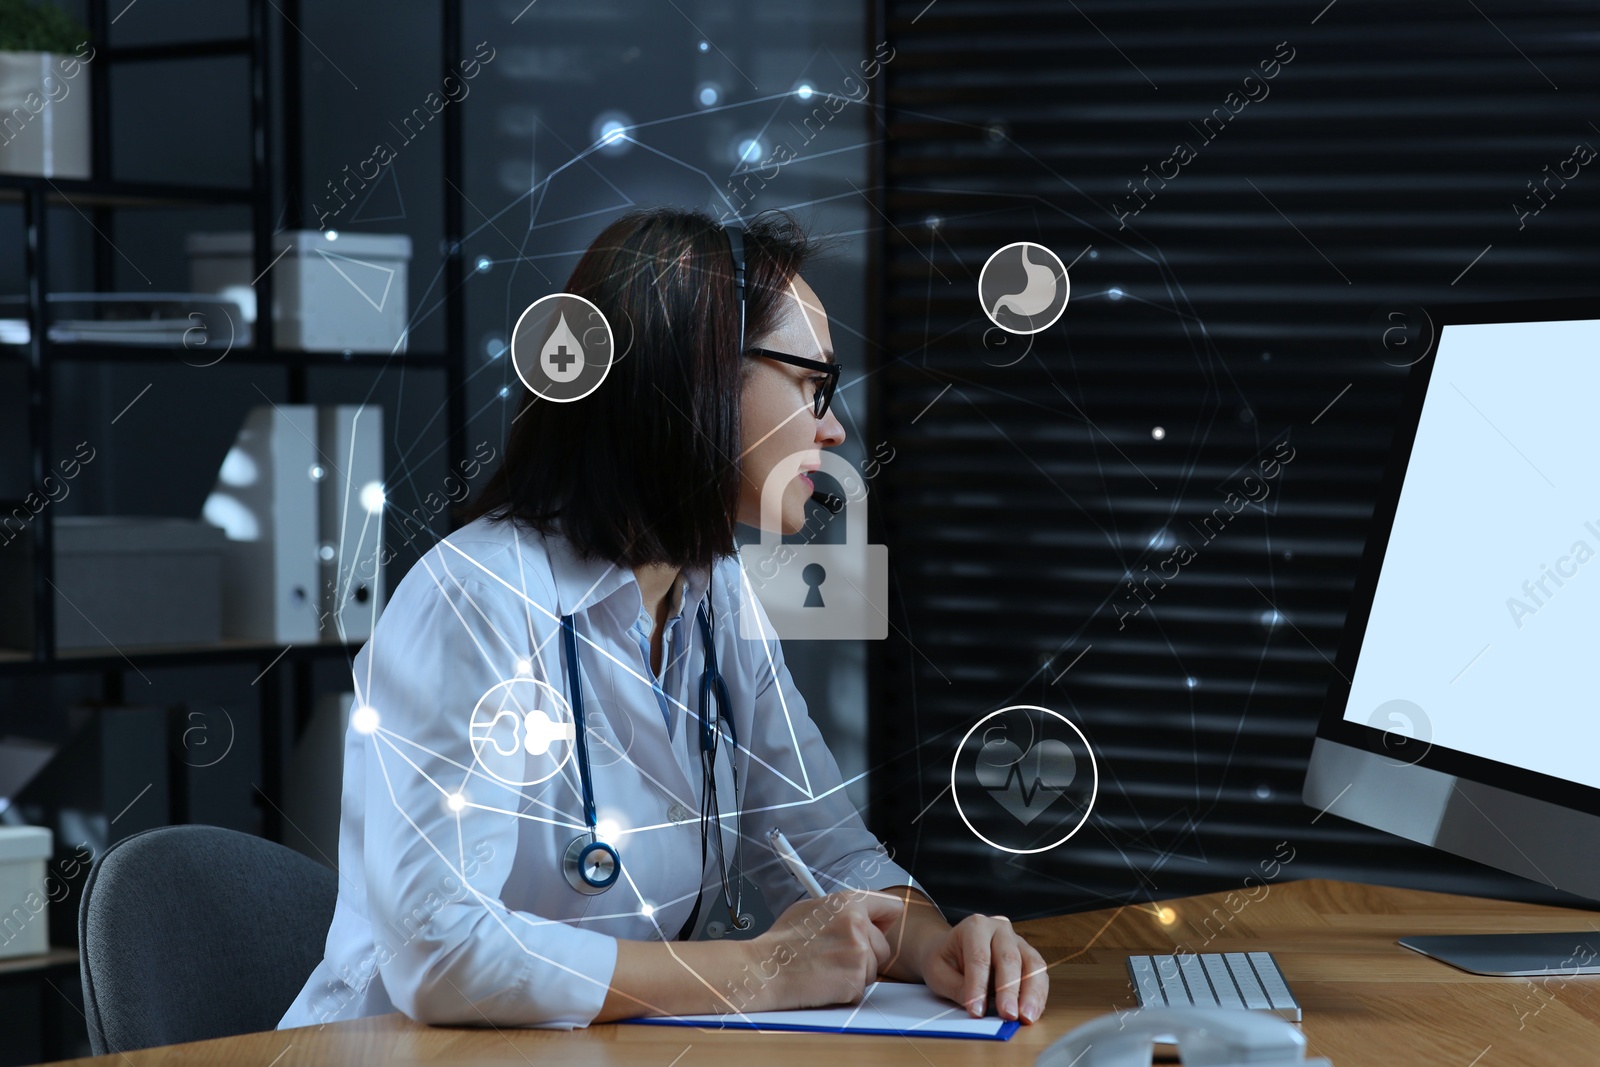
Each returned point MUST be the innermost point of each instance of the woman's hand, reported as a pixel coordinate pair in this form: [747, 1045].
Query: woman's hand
[983, 952]
[825, 951]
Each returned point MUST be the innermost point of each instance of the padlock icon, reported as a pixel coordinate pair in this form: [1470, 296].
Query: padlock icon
[815, 592]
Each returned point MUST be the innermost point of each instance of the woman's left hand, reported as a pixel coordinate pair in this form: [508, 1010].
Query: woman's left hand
[983, 953]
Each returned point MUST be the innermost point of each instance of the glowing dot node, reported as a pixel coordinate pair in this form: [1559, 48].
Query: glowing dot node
[457, 801]
[1167, 916]
[372, 497]
[610, 132]
[364, 719]
[1158, 432]
[647, 910]
[524, 667]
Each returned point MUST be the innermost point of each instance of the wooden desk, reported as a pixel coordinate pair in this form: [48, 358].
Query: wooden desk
[1366, 1000]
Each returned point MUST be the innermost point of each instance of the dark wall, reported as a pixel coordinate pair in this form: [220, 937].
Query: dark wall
[1258, 290]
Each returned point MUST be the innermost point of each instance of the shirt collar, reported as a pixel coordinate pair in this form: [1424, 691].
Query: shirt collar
[581, 583]
[695, 581]
[688, 592]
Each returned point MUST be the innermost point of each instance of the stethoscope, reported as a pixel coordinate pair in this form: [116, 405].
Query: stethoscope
[592, 865]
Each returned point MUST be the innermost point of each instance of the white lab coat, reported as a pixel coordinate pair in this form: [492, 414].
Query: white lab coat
[464, 916]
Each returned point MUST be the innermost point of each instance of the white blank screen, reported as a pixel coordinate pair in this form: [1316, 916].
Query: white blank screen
[1487, 612]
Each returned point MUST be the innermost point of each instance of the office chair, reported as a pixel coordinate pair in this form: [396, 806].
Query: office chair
[193, 932]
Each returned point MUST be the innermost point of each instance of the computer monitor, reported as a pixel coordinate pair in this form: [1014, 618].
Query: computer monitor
[1464, 710]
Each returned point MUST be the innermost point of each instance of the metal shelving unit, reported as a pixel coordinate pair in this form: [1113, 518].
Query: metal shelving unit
[284, 677]
[284, 672]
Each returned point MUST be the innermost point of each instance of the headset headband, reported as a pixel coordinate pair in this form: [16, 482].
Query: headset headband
[735, 234]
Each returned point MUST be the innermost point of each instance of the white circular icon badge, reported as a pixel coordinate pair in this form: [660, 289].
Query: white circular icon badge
[1023, 287]
[522, 731]
[562, 347]
[1025, 781]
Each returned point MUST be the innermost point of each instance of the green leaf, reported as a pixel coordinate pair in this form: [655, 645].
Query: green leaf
[36, 26]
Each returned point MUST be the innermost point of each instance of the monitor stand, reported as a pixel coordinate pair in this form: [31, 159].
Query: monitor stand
[1514, 955]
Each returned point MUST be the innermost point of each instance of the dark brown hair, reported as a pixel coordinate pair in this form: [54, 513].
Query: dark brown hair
[646, 468]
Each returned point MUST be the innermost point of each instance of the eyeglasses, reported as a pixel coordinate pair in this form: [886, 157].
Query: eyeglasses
[823, 397]
[824, 394]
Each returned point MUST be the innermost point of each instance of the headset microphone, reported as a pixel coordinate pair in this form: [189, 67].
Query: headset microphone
[829, 501]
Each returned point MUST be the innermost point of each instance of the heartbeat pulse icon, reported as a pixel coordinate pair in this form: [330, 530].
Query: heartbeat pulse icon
[1026, 783]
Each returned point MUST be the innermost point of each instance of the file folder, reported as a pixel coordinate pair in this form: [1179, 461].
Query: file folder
[351, 517]
[265, 499]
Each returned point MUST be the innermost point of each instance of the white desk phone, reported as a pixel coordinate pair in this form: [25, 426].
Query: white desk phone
[1206, 1037]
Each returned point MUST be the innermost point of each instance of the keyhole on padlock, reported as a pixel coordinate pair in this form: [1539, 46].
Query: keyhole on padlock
[814, 575]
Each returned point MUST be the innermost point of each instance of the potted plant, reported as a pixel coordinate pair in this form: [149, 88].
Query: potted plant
[44, 91]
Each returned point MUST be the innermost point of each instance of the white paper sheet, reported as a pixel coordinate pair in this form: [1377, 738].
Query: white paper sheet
[887, 1007]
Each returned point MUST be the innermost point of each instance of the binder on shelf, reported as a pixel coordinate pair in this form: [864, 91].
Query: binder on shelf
[265, 500]
[300, 497]
[351, 519]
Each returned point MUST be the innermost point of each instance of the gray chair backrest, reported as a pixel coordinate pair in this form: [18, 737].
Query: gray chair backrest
[193, 932]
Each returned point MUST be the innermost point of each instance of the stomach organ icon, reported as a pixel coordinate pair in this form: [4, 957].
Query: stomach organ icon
[1038, 294]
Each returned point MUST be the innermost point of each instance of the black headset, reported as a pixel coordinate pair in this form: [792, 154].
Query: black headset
[735, 234]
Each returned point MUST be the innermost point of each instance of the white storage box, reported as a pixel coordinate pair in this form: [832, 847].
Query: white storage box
[141, 580]
[24, 907]
[331, 294]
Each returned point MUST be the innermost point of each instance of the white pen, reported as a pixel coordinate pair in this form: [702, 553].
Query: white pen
[791, 859]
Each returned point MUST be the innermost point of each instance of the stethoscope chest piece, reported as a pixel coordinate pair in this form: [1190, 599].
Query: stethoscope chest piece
[591, 866]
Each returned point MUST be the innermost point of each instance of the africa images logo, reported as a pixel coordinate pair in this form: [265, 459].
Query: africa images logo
[1024, 288]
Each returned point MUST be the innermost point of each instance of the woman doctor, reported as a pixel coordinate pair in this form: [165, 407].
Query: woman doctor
[498, 864]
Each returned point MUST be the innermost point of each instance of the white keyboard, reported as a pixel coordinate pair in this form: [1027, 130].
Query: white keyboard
[1244, 980]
